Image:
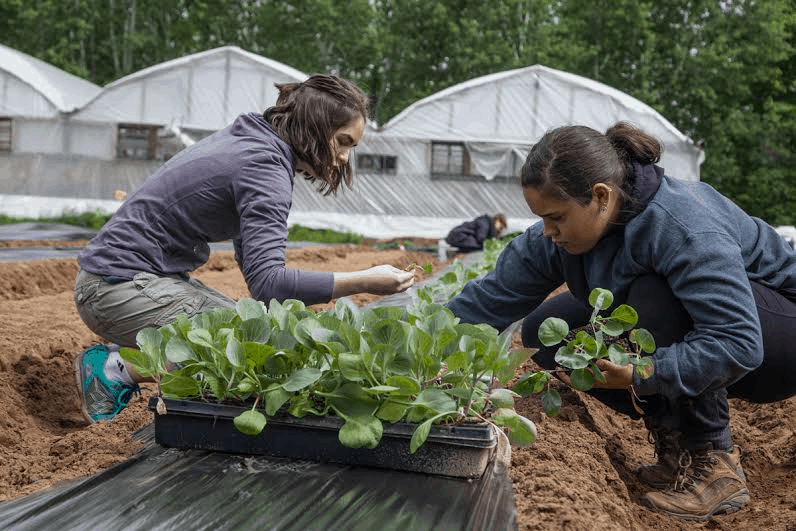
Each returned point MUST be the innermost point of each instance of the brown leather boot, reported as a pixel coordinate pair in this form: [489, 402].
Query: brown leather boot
[661, 475]
[709, 482]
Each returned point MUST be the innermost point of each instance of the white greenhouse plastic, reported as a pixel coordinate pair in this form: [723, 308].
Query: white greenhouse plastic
[33, 89]
[486, 126]
[498, 118]
[445, 159]
[79, 161]
[204, 91]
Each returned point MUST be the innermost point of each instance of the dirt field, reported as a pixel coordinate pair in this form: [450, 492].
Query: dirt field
[577, 476]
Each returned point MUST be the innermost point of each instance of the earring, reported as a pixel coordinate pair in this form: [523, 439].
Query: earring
[603, 209]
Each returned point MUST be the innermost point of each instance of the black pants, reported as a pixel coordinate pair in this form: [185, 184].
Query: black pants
[704, 418]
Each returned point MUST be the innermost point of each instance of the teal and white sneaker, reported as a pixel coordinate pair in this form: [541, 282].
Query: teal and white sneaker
[100, 398]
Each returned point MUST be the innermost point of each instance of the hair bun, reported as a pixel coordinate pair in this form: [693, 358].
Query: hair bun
[633, 144]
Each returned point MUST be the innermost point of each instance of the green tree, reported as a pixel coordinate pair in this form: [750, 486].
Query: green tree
[730, 89]
[611, 41]
[67, 41]
[432, 45]
[721, 72]
[317, 35]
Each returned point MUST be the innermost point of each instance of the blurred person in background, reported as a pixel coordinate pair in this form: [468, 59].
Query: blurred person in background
[471, 235]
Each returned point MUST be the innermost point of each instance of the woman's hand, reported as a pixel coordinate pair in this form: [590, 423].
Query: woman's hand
[616, 376]
[386, 279]
[378, 280]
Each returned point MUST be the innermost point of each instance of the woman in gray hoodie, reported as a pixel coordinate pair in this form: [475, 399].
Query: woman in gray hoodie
[715, 286]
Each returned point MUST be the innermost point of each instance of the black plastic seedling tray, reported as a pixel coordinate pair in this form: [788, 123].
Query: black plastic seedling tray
[455, 451]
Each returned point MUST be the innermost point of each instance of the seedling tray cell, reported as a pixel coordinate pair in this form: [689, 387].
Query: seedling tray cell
[456, 451]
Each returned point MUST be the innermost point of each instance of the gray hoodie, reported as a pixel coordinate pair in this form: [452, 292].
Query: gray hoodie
[236, 184]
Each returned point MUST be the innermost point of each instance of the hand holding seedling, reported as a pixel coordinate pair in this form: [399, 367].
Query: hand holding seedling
[378, 280]
[386, 279]
[616, 376]
[426, 268]
[588, 359]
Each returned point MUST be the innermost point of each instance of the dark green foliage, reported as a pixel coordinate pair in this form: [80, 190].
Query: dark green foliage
[366, 366]
[722, 72]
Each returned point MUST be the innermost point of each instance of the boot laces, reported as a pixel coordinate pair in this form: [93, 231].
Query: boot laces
[126, 394]
[691, 468]
[662, 442]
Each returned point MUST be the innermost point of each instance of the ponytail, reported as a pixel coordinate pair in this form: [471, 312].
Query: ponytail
[634, 147]
[285, 89]
[633, 144]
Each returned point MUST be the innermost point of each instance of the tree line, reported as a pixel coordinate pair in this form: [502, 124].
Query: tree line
[722, 71]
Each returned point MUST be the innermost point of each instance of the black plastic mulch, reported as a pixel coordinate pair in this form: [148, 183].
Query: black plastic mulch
[162, 488]
[168, 489]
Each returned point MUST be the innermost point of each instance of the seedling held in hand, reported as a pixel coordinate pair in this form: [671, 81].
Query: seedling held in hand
[426, 268]
[578, 354]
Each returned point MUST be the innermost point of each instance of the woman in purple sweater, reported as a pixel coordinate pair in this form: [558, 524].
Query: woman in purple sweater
[236, 184]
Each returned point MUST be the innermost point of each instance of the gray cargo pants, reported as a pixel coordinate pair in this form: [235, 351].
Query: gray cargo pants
[117, 312]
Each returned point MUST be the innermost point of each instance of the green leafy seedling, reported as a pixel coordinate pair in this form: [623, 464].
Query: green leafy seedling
[427, 269]
[367, 365]
[579, 354]
[250, 422]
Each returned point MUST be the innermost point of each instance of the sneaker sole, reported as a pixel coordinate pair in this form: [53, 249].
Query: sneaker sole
[78, 364]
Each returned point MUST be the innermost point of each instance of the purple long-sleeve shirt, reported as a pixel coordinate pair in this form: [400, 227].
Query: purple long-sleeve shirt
[234, 185]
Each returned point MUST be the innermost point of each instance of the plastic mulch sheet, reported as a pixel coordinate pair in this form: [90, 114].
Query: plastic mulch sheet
[162, 488]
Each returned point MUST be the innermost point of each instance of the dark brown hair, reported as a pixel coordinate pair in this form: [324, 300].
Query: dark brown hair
[568, 161]
[307, 114]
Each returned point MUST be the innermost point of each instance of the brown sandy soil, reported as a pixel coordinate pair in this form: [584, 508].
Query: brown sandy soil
[576, 476]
